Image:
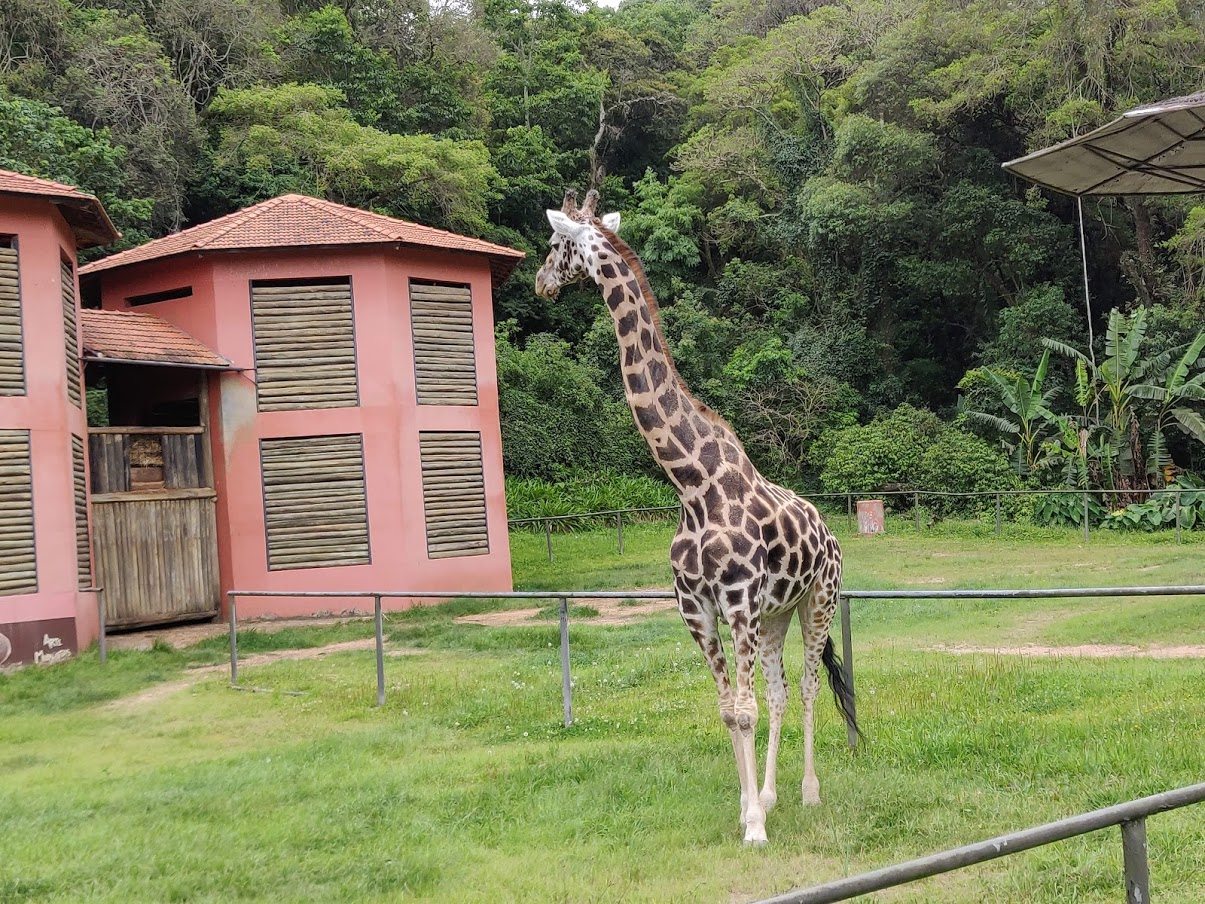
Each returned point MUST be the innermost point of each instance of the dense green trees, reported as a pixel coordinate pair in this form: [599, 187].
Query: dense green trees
[815, 189]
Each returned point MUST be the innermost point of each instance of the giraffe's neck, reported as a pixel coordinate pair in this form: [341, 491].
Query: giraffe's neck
[693, 446]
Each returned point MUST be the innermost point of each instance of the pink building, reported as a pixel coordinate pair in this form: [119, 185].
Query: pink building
[45, 568]
[301, 396]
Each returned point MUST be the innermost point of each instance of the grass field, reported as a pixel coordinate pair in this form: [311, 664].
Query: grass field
[141, 781]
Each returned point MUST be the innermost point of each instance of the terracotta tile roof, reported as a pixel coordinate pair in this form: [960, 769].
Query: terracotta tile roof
[292, 221]
[82, 211]
[136, 337]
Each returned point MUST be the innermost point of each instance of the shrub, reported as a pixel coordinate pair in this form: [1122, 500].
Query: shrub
[958, 462]
[1159, 511]
[600, 492]
[884, 454]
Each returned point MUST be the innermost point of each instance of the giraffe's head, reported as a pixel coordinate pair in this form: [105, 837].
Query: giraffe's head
[575, 243]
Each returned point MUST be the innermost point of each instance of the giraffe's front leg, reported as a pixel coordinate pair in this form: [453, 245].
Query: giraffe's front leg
[744, 642]
[701, 621]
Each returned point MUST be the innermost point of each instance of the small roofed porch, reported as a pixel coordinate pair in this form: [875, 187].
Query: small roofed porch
[151, 478]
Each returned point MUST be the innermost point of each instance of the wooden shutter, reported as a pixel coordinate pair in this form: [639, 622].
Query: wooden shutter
[445, 361]
[12, 350]
[314, 501]
[18, 566]
[71, 333]
[453, 495]
[83, 549]
[305, 347]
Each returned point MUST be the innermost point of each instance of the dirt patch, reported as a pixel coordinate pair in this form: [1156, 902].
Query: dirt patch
[180, 636]
[936, 580]
[1082, 651]
[195, 676]
[610, 612]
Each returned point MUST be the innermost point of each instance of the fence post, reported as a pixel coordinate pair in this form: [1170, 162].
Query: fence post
[1086, 517]
[847, 665]
[1137, 869]
[233, 643]
[916, 509]
[997, 514]
[619, 530]
[548, 537]
[1178, 540]
[849, 511]
[380, 632]
[566, 681]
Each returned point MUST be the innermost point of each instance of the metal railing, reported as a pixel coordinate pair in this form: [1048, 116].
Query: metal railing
[1130, 816]
[998, 496]
[563, 597]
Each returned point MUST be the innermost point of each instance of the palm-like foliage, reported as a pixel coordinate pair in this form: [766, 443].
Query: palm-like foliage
[1030, 406]
[1125, 380]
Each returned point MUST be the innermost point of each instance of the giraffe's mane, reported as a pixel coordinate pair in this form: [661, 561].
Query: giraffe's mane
[629, 257]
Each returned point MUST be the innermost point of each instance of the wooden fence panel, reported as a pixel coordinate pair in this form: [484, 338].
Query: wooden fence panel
[12, 344]
[445, 358]
[315, 501]
[157, 558]
[109, 460]
[453, 494]
[305, 347]
[18, 561]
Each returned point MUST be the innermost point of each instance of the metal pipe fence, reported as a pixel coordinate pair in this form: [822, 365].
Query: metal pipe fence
[563, 596]
[1084, 512]
[1131, 816]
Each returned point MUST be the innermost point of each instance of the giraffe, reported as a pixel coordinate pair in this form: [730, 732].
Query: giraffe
[747, 552]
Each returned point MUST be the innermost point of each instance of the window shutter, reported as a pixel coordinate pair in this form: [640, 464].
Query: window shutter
[71, 334]
[12, 349]
[453, 495]
[305, 347]
[18, 566]
[83, 549]
[445, 362]
[314, 501]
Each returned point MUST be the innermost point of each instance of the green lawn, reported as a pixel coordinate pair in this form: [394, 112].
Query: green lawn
[465, 787]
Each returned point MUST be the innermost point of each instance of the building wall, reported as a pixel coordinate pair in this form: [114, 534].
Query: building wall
[388, 417]
[57, 619]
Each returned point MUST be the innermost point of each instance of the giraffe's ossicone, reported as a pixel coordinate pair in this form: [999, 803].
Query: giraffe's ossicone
[747, 551]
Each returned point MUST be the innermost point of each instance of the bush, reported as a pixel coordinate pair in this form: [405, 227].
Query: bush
[599, 492]
[959, 462]
[556, 418]
[1159, 511]
[884, 454]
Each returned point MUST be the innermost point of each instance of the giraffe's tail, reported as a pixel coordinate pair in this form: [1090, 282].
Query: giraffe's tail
[843, 691]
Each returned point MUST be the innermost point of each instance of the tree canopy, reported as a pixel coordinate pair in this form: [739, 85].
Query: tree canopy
[814, 187]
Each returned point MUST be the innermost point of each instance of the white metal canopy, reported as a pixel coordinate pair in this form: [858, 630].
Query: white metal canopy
[1150, 150]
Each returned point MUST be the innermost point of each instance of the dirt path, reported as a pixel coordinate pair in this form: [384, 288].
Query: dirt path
[195, 676]
[186, 635]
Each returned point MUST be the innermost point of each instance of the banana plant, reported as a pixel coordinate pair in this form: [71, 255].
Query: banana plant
[1032, 417]
[1176, 390]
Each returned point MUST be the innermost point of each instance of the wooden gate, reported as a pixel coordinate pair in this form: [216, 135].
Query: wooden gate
[154, 524]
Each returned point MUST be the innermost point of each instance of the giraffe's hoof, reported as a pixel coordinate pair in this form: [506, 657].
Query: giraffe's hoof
[811, 792]
[755, 836]
[768, 800]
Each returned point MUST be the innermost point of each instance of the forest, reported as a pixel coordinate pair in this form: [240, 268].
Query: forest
[815, 188]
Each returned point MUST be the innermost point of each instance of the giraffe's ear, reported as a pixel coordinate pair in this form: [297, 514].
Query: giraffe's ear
[563, 225]
[611, 221]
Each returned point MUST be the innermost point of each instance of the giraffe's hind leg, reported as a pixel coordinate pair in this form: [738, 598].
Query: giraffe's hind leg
[773, 636]
[816, 620]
